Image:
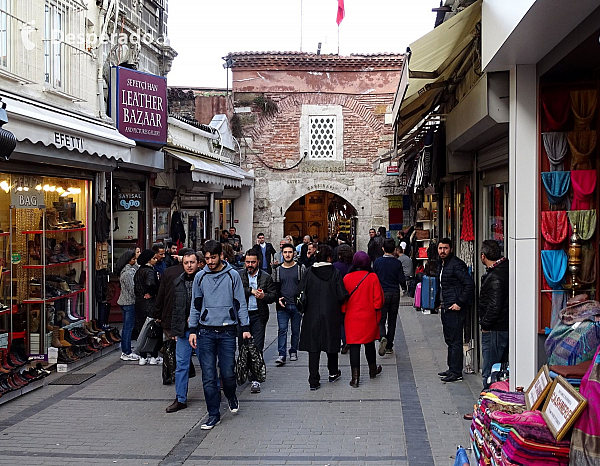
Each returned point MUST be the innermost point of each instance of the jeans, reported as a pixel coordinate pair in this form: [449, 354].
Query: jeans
[284, 316]
[389, 312]
[210, 344]
[128, 324]
[183, 354]
[452, 323]
[355, 354]
[313, 366]
[494, 349]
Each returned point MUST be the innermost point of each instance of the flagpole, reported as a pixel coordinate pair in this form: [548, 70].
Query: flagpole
[338, 40]
[301, 25]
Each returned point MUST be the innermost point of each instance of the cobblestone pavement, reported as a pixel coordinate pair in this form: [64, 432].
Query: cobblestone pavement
[406, 416]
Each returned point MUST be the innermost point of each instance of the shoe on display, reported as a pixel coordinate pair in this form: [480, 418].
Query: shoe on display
[142, 361]
[129, 357]
[255, 387]
[452, 378]
[280, 361]
[212, 421]
[175, 406]
[382, 346]
[293, 356]
[335, 377]
[444, 374]
[234, 404]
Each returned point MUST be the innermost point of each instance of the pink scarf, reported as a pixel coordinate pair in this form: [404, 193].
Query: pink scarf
[584, 184]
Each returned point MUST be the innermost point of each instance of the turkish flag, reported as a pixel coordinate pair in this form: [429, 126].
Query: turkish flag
[341, 13]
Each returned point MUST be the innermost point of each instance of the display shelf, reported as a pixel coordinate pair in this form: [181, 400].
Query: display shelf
[39, 232]
[6, 272]
[15, 309]
[422, 258]
[54, 264]
[426, 239]
[54, 298]
[6, 233]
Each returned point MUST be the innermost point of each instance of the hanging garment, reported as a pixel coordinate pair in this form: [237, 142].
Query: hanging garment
[584, 184]
[585, 221]
[177, 229]
[582, 144]
[498, 226]
[556, 104]
[583, 104]
[587, 269]
[419, 170]
[101, 221]
[556, 185]
[554, 264]
[556, 146]
[554, 227]
[467, 251]
[467, 231]
[559, 302]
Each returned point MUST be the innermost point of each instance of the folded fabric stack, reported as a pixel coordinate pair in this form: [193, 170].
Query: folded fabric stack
[573, 374]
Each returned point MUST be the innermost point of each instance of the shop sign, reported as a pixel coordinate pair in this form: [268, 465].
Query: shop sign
[130, 200]
[31, 199]
[563, 406]
[393, 170]
[139, 105]
[69, 141]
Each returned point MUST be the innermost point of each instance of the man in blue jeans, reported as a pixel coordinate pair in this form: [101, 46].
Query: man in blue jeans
[287, 278]
[218, 307]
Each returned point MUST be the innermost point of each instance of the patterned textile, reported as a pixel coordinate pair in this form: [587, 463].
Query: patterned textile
[467, 250]
[556, 185]
[584, 104]
[556, 146]
[554, 227]
[584, 184]
[467, 231]
[554, 265]
[556, 105]
[585, 220]
[582, 144]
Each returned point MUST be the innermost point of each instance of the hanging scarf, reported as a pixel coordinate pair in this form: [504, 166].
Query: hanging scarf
[554, 264]
[587, 269]
[498, 226]
[554, 227]
[467, 252]
[556, 185]
[584, 184]
[556, 104]
[556, 146]
[419, 175]
[585, 221]
[583, 104]
[467, 230]
[582, 144]
[559, 302]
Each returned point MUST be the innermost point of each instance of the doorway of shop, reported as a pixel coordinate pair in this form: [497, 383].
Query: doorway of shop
[323, 214]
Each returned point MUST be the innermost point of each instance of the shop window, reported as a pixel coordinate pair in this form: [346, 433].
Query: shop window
[17, 57]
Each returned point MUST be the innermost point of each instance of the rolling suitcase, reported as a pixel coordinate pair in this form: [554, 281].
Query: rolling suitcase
[418, 296]
[428, 293]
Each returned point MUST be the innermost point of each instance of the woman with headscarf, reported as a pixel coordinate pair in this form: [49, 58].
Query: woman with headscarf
[146, 289]
[126, 268]
[362, 312]
[324, 290]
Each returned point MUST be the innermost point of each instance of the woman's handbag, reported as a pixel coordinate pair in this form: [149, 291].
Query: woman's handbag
[155, 330]
[422, 253]
[423, 214]
[422, 234]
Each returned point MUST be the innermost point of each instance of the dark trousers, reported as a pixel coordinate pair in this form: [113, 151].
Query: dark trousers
[355, 354]
[257, 330]
[313, 366]
[452, 323]
[494, 349]
[389, 313]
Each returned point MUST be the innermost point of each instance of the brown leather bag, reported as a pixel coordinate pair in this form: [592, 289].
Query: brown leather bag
[422, 234]
[423, 214]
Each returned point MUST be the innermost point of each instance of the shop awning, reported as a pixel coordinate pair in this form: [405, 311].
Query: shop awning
[208, 171]
[434, 59]
[35, 122]
[248, 177]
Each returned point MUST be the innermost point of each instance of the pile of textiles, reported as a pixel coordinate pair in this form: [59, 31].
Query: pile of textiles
[504, 433]
[572, 374]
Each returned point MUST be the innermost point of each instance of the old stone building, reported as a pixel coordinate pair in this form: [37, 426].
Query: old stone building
[312, 126]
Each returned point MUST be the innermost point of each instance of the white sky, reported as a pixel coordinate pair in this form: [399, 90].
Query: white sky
[203, 31]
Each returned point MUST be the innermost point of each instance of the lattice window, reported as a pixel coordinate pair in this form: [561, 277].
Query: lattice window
[322, 130]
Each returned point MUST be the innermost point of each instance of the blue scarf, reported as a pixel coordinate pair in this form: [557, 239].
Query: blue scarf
[557, 185]
[554, 264]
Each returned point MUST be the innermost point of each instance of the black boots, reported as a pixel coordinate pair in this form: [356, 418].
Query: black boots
[374, 369]
[355, 377]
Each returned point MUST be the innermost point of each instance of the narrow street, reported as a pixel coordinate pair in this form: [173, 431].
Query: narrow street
[404, 417]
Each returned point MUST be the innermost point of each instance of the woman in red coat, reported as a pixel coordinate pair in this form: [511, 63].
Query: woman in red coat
[362, 313]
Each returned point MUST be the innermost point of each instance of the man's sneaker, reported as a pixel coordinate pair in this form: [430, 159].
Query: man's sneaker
[382, 346]
[212, 421]
[155, 361]
[389, 351]
[315, 387]
[334, 377]
[255, 387]
[293, 356]
[142, 361]
[129, 357]
[452, 378]
[280, 361]
[234, 404]
[444, 374]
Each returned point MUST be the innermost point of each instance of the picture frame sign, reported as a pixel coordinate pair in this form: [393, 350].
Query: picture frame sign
[539, 388]
[563, 406]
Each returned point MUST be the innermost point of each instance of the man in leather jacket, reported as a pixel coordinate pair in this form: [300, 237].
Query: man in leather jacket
[493, 308]
[456, 292]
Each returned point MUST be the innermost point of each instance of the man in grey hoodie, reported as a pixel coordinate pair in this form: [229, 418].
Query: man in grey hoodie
[218, 307]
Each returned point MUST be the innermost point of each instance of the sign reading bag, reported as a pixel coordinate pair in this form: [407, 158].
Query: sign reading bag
[139, 105]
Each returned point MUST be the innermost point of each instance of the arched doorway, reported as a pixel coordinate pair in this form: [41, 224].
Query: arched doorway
[323, 214]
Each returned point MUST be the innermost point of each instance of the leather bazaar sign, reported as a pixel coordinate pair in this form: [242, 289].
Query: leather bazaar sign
[139, 105]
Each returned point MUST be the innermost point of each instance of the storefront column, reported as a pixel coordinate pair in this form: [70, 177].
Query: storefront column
[244, 213]
[523, 225]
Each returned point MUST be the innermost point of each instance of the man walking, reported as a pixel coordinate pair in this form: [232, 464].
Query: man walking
[265, 252]
[493, 308]
[219, 306]
[259, 291]
[302, 248]
[456, 291]
[287, 278]
[407, 268]
[278, 257]
[391, 276]
[181, 303]
[374, 248]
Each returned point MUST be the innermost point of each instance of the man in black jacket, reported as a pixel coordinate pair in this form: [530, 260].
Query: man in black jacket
[181, 303]
[265, 252]
[375, 246]
[456, 290]
[493, 308]
[260, 292]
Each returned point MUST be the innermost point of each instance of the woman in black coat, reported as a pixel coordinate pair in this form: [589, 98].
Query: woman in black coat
[325, 292]
[145, 283]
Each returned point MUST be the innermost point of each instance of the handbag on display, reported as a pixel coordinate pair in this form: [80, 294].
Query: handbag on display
[422, 234]
[422, 253]
[423, 214]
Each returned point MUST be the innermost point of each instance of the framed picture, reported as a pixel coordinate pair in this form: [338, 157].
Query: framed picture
[539, 388]
[562, 408]
[161, 222]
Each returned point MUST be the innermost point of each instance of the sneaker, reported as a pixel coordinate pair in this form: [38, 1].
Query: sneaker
[452, 378]
[280, 361]
[129, 357]
[444, 374]
[155, 361]
[293, 356]
[212, 421]
[142, 361]
[315, 387]
[255, 387]
[389, 351]
[382, 345]
[335, 377]
[234, 404]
